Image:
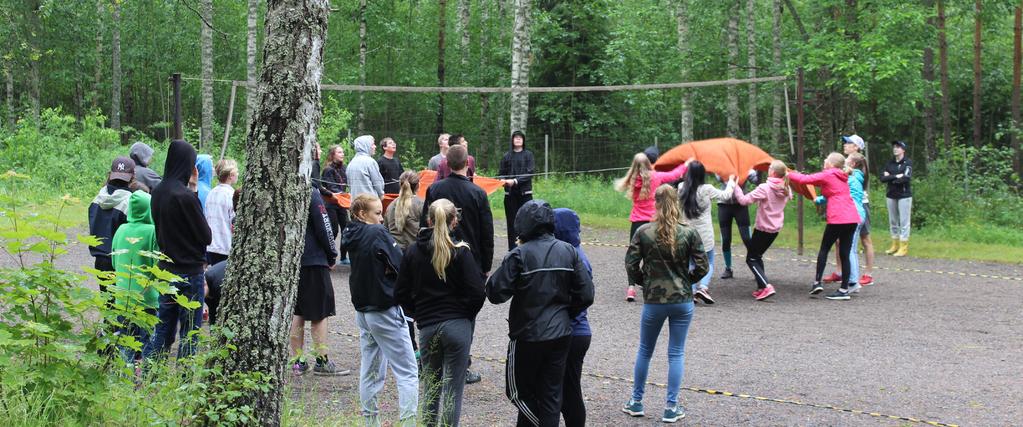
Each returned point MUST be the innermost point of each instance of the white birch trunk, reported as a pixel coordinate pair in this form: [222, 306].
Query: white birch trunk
[206, 36]
[520, 66]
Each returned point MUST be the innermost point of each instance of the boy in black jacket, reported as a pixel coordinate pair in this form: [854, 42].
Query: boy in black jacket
[549, 286]
[516, 171]
[182, 234]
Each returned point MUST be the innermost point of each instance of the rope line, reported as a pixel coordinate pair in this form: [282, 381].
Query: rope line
[714, 392]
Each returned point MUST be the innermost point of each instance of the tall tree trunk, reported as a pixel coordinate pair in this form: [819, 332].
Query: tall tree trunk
[251, 69]
[520, 66]
[462, 28]
[98, 66]
[260, 285]
[852, 102]
[9, 101]
[929, 99]
[485, 131]
[777, 135]
[732, 99]
[685, 96]
[976, 74]
[946, 109]
[360, 122]
[1017, 57]
[442, 15]
[206, 36]
[33, 62]
[751, 62]
[115, 74]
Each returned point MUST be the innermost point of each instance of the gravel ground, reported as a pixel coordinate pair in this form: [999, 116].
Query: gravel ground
[925, 343]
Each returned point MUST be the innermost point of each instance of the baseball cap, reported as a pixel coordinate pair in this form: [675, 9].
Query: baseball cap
[123, 169]
[854, 139]
[900, 144]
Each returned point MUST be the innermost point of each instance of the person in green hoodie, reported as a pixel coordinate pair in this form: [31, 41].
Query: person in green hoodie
[138, 234]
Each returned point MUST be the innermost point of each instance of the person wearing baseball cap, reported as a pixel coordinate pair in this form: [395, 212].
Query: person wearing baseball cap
[897, 174]
[108, 210]
[855, 144]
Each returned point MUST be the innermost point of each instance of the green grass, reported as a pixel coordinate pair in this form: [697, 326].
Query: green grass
[599, 206]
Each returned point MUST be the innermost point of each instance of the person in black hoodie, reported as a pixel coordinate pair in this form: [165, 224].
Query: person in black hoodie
[897, 174]
[517, 168]
[476, 222]
[441, 286]
[383, 334]
[549, 286]
[182, 234]
[334, 181]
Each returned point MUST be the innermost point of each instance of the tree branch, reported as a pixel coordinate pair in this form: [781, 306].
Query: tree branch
[204, 21]
[799, 22]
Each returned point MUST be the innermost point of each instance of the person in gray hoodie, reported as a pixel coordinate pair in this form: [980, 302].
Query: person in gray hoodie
[363, 171]
[142, 154]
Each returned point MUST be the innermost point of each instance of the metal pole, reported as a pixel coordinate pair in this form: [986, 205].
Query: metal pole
[176, 85]
[546, 156]
[230, 114]
[799, 151]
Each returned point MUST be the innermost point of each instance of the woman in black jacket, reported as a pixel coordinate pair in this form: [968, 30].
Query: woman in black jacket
[334, 182]
[897, 174]
[441, 286]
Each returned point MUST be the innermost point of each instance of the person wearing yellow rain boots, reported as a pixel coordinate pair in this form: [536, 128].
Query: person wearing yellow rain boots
[897, 174]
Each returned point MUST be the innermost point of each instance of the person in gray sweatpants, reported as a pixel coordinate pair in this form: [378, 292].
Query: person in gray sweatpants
[897, 174]
[383, 333]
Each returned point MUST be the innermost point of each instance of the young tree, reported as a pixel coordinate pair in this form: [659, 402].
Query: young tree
[260, 284]
[251, 69]
[976, 73]
[115, 74]
[776, 106]
[685, 98]
[1017, 56]
[732, 96]
[206, 36]
[9, 100]
[32, 12]
[360, 120]
[751, 62]
[101, 11]
[946, 109]
[520, 66]
[442, 11]
[929, 99]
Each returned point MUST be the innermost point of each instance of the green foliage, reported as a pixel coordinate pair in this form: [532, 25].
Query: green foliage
[60, 357]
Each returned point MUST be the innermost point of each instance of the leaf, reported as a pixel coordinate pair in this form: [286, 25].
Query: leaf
[186, 303]
[89, 240]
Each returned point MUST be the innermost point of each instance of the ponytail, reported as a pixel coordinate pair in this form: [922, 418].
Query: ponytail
[409, 185]
[442, 216]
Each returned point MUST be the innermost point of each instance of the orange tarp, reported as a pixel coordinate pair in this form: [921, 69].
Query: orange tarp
[725, 157]
[426, 178]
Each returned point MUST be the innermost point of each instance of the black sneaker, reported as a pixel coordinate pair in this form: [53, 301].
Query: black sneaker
[816, 288]
[727, 274]
[328, 369]
[839, 295]
[472, 377]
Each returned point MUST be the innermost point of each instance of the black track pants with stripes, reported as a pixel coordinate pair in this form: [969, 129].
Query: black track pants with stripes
[534, 378]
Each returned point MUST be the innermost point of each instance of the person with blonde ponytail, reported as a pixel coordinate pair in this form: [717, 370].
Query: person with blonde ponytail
[638, 184]
[770, 197]
[402, 216]
[442, 287]
[665, 257]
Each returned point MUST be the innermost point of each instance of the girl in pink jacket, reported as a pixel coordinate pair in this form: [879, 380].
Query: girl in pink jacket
[770, 198]
[842, 219]
[639, 185]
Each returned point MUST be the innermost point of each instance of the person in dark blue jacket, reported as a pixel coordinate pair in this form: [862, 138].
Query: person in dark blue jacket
[573, 407]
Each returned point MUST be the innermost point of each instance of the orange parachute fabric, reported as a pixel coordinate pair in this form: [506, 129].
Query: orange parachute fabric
[725, 157]
[426, 177]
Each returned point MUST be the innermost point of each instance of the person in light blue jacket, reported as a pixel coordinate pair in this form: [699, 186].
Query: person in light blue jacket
[363, 171]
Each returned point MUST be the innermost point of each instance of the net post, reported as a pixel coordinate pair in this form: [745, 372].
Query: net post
[799, 151]
[546, 156]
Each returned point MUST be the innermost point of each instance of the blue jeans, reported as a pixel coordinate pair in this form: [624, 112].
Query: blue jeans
[679, 317]
[702, 284]
[854, 258]
[171, 315]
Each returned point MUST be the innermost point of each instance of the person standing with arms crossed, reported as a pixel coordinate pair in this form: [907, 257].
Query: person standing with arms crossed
[516, 171]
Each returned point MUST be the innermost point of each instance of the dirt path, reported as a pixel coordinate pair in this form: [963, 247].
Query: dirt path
[926, 342]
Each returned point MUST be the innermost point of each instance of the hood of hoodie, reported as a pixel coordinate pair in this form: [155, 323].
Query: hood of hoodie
[138, 208]
[204, 163]
[364, 144]
[534, 219]
[355, 233]
[778, 186]
[567, 226]
[180, 162]
[141, 154]
[110, 197]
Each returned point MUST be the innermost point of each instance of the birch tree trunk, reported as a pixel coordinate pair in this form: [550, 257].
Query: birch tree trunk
[929, 99]
[360, 122]
[777, 134]
[732, 98]
[520, 66]
[115, 74]
[484, 8]
[260, 285]
[251, 69]
[946, 109]
[462, 28]
[442, 12]
[206, 36]
[976, 73]
[685, 97]
[751, 63]
[98, 66]
[1017, 57]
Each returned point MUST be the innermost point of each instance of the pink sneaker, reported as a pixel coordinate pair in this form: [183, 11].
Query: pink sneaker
[630, 295]
[763, 294]
[834, 277]
[866, 280]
